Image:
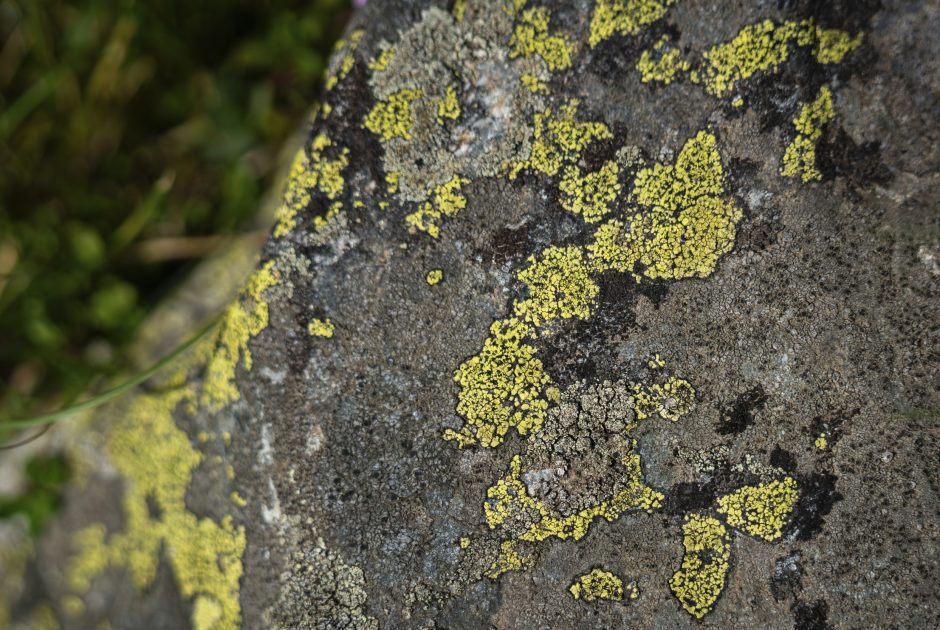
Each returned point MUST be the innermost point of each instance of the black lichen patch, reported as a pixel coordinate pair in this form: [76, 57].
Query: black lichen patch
[811, 616]
[740, 415]
[830, 425]
[817, 496]
[683, 498]
[508, 243]
[783, 459]
[861, 164]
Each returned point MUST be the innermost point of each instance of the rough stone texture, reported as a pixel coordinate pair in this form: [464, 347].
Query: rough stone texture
[811, 343]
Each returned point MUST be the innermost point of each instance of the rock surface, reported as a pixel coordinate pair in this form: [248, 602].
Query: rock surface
[582, 314]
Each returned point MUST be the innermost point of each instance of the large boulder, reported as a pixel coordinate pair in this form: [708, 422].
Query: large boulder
[602, 313]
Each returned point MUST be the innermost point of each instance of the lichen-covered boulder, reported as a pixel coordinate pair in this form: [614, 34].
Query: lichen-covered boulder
[599, 313]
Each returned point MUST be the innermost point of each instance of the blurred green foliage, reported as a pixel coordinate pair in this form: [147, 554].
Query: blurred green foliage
[45, 477]
[129, 132]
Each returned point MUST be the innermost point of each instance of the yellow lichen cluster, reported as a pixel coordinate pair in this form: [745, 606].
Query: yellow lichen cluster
[381, 61]
[507, 501]
[156, 461]
[321, 222]
[761, 510]
[534, 84]
[590, 195]
[320, 328]
[311, 170]
[508, 560]
[598, 584]
[245, 317]
[662, 64]
[671, 400]
[765, 46]
[624, 17]
[434, 276]
[559, 140]
[684, 227]
[348, 61]
[821, 442]
[800, 155]
[531, 37]
[500, 387]
[447, 201]
[701, 578]
[392, 117]
[448, 107]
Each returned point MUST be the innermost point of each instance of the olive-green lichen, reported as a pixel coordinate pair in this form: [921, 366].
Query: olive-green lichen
[559, 139]
[701, 578]
[447, 200]
[624, 17]
[591, 194]
[663, 63]
[531, 38]
[800, 155]
[311, 171]
[599, 584]
[761, 510]
[392, 118]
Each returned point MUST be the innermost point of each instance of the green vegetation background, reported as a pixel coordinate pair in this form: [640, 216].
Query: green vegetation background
[133, 136]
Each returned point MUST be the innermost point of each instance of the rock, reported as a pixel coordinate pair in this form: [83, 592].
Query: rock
[597, 314]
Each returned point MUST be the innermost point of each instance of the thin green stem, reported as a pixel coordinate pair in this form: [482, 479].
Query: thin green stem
[111, 394]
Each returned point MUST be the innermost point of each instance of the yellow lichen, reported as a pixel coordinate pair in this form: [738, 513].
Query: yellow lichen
[460, 7]
[156, 462]
[311, 171]
[245, 317]
[590, 195]
[391, 179]
[821, 442]
[701, 578]
[761, 510]
[534, 84]
[320, 223]
[800, 155]
[531, 37]
[500, 387]
[464, 542]
[559, 286]
[237, 499]
[380, 63]
[434, 276]
[446, 202]
[663, 63]
[624, 17]
[348, 60]
[448, 107]
[671, 400]
[559, 140]
[598, 584]
[508, 560]
[320, 328]
[765, 46]
[392, 118]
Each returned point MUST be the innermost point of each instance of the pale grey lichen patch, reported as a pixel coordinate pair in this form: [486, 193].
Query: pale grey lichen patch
[470, 58]
[321, 590]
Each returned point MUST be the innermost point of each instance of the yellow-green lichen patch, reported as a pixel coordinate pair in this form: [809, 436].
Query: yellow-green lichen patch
[346, 62]
[245, 317]
[508, 560]
[320, 328]
[531, 38]
[312, 170]
[434, 276]
[687, 225]
[671, 400]
[320, 223]
[624, 17]
[663, 63]
[598, 584]
[800, 155]
[448, 107]
[447, 201]
[534, 84]
[381, 61]
[764, 47]
[156, 461]
[501, 387]
[392, 118]
[592, 194]
[559, 286]
[821, 442]
[701, 578]
[761, 510]
[559, 139]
